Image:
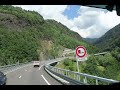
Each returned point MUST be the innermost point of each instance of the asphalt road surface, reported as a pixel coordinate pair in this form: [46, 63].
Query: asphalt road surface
[29, 75]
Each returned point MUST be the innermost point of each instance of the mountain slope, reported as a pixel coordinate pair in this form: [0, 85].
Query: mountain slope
[26, 36]
[90, 40]
[110, 40]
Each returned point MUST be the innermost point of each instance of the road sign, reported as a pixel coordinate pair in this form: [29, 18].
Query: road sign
[81, 53]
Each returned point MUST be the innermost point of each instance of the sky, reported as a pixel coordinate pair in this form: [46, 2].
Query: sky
[88, 22]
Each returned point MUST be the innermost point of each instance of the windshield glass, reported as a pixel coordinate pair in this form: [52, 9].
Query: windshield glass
[62, 40]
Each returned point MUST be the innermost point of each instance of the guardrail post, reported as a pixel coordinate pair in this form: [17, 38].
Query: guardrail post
[96, 81]
[68, 74]
[59, 71]
[85, 80]
[65, 73]
[55, 69]
[62, 72]
[79, 77]
[74, 75]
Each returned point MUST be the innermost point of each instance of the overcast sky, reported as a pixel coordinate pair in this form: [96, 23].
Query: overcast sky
[87, 21]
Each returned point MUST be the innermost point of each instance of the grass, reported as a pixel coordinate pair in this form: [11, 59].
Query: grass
[60, 65]
[89, 80]
[101, 68]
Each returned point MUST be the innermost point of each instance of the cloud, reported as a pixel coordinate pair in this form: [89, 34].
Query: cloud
[109, 19]
[94, 22]
[91, 22]
[48, 11]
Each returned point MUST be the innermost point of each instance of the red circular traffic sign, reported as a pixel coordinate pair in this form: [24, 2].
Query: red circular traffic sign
[81, 51]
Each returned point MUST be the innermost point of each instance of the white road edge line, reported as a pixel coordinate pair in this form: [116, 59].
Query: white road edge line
[20, 76]
[45, 80]
[40, 67]
[58, 78]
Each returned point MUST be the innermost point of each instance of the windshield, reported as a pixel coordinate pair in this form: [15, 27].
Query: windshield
[73, 42]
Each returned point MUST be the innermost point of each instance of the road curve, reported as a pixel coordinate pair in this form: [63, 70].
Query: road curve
[29, 75]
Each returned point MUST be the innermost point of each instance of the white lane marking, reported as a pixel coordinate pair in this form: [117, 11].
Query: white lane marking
[60, 79]
[45, 80]
[40, 67]
[20, 76]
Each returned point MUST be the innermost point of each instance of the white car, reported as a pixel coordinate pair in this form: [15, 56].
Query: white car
[36, 63]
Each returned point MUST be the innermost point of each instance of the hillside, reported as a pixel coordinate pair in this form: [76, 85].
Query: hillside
[66, 30]
[90, 40]
[110, 40]
[26, 36]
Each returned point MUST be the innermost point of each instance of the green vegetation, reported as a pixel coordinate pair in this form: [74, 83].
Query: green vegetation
[26, 36]
[107, 66]
[103, 66]
[16, 46]
[31, 16]
[110, 40]
[60, 34]
[90, 40]
[68, 64]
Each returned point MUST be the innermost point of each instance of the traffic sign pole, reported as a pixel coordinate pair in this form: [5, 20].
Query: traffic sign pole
[80, 55]
[77, 64]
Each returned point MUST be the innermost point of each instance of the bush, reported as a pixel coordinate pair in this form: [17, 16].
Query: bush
[67, 62]
[72, 68]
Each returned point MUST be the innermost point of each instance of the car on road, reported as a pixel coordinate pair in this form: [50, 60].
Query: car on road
[36, 63]
[3, 78]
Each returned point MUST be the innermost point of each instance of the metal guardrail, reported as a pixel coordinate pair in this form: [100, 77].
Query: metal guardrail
[76, 78]
[9, 67]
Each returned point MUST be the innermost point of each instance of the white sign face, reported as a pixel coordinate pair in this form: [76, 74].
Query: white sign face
[81, 59]
[81, 53]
